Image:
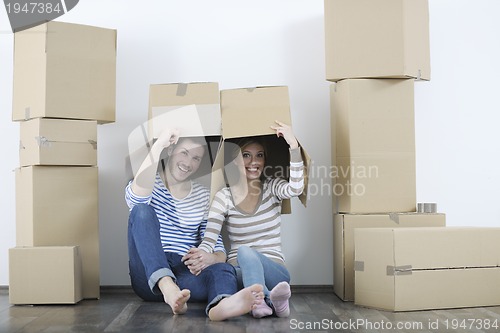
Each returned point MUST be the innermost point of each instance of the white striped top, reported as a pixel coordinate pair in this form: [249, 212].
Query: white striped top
[182, 221]
[260, 230]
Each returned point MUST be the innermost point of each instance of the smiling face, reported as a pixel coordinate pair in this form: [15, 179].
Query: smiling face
[185, 159]
[253, 160]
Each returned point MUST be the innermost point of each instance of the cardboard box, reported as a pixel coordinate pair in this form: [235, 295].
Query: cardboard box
[193, 107]
[377, 39]
[373, 145]
[64, 70]
[45, 275]
[250, 112]
[48, 141]
[427, 268]
[344, 226]
[58, 205]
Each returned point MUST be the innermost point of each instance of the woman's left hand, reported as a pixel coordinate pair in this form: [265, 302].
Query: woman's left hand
[197, 260]
[286, 132]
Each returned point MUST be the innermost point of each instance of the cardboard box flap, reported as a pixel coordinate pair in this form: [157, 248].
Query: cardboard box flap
[251, 111]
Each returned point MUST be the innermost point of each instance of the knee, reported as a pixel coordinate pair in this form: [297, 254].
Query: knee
[245, 252]
[141, 212]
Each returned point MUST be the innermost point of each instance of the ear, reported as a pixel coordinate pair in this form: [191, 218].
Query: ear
[170, 150]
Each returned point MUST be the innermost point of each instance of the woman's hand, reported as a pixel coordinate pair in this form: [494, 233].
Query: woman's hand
[197, 260]
[286, 132]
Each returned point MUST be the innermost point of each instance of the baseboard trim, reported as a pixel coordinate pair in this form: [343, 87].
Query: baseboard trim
[299, 289]
[118, 289]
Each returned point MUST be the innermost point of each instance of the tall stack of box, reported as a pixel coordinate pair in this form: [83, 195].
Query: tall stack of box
[64, 85]
[375, 49]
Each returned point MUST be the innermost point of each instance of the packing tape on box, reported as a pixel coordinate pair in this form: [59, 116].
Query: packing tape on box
[419, 75]
[27, 112]
[359, 266]
[399, 270]
[394, 217]
[93, 143]
[427, 207]
[182, 89]
[251, 89]
[21, 146]
[430, 207]
[42, 141]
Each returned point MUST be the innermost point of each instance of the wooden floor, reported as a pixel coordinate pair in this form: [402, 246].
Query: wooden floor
[119, 310]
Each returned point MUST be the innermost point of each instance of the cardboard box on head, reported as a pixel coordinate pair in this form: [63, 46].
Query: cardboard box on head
[193, 109]
[250, 112]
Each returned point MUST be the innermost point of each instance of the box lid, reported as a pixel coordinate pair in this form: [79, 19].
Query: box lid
[251, 111]
[193, 107]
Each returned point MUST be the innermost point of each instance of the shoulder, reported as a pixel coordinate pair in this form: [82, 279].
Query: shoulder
[199, 190]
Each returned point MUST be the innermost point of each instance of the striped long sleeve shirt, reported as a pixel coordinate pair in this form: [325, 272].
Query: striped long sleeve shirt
[260, 230]
[182, 221]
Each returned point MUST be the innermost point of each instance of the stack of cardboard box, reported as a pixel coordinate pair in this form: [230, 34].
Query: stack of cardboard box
[374, 52]
[64, 86]
[375, 49]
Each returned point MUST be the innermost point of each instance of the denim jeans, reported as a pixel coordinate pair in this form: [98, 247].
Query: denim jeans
[148, 263]
[254, 267]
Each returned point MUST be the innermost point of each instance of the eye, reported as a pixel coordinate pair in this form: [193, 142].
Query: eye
[260, 155]
[184, 153]
[246, 155]
[197, 159]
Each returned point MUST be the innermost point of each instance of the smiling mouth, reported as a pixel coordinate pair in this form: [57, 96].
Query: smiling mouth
[183, 169]
[253, 169]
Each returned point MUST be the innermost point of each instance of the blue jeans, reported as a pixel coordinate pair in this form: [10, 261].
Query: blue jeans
[254, 267]
[148, 263]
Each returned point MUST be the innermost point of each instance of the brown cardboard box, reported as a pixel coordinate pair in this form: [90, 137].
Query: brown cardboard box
[344, 226]
[58, 205]
[373, 145]
[427, 268]
[45, 275]
[250, 112]
[64, 70]
[48, 141]
[377, 39]
[193, 107]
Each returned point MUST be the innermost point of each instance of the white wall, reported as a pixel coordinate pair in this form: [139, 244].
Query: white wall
[280, 42]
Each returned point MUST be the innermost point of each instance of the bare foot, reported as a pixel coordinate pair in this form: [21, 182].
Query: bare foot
[238, 304]
[173, 296]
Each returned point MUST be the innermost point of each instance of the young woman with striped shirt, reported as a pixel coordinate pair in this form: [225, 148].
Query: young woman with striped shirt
[251, 212]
